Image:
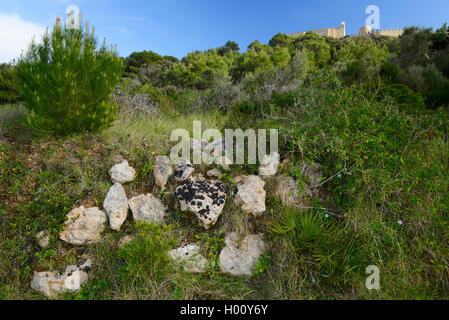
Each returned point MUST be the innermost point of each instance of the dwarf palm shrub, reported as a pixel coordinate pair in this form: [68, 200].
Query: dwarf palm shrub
[66, 81]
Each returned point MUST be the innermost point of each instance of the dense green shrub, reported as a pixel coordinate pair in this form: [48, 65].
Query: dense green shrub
[138, 59]
[8, 88]
[317, 46]
[66, 81]
[403, 96]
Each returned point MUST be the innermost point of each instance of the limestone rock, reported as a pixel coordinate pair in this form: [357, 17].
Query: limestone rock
[287, 189]
[148, 208]
[85, 263]
[84, 226]
[215, 173]
[250, 194]
[269, 164]
[314, 174]
[122, 173]
[288, 192]
[162, 171]
[239, 257]
[198, 144]
[197, 177]
[205, 199]
[51, 283]
[43, 238]
[190, 258]
[183, 171]
[197, 147]
[125, 239]
[216, 148]
[116, 206]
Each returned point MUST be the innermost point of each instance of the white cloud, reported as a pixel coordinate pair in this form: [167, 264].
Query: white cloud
[15, 36]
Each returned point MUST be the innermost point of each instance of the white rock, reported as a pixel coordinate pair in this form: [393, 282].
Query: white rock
[215, 173]
[183, 171]
[216, 148]
[162, 171]
[205, 199]
[197, 147]
[286, 188]
[190, 258]
[43, 238]
[86, 265]
[122, 173]
[84, 226]
[239, 258]
[198, 144]
[287, 191]
[269, 164]
[250, 194]
[148, 208]
[116, 206]
[51, 283]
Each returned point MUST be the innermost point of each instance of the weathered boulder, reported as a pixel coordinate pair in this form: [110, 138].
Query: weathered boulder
[205, 199]
[250, 194]
[148, 208]
[215, 173]
[83, 226]
[51, 284]
[216, 148]
[184, 170]
[122, 173]
[162, 171]
[314, 174]
[287, 190]
[116, 206]
[197, 147]
[269, 164]
[43, 238]
[197, 144]
[239, 257]
[190, 258]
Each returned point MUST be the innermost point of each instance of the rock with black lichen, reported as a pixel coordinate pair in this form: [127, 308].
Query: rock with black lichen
[205, 199]
[183, 171]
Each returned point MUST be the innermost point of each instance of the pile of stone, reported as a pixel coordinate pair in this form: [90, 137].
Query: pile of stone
[202, 200]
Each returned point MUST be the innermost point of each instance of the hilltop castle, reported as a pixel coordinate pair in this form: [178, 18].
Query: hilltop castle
[340, 32]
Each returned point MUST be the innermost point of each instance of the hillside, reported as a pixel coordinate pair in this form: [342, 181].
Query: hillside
[361, 181]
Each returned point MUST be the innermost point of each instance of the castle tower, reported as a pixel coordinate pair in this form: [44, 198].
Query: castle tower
[364, 30]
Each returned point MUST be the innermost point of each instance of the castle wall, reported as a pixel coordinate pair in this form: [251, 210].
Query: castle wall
[338, 33]
[386, 32]
[325, 32]
[390, 32]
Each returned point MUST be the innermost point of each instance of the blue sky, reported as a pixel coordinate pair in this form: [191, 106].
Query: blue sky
[176, 27]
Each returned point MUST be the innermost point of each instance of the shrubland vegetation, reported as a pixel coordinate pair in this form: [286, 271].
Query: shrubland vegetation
[373, 111]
